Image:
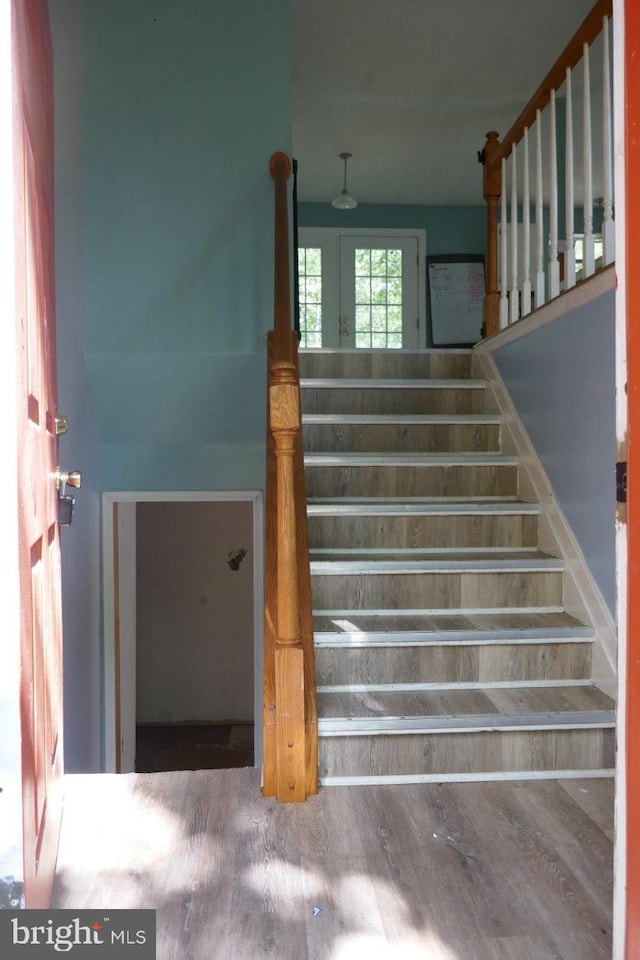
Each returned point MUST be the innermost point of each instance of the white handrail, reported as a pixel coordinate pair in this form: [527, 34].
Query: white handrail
[547, 171]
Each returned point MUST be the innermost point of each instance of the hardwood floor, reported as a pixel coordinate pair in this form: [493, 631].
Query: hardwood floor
[472, 871]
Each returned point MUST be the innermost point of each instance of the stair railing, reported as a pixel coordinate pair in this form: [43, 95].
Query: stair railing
[290, 728]
[550, 215]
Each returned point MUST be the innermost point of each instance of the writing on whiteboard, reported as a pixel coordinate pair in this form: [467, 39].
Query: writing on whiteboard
[456, 296]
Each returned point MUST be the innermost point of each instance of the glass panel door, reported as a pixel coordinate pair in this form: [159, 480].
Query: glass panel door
[359, 290]
[378, 293]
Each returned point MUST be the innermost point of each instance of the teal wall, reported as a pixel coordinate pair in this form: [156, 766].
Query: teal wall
[183, 106]
[449, 229]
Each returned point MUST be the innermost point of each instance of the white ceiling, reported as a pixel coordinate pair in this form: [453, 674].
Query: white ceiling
[410, 88]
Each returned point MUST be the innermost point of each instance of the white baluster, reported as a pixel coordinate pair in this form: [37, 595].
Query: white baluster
[514, 306]
[608, 232]
[554, 265]
[540, 285]
[504, 282]
[569, 228]
[588, 255]
[526, 229]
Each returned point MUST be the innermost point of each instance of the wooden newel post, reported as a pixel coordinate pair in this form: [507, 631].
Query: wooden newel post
[289, 657]
[492, 190]
[290, 733]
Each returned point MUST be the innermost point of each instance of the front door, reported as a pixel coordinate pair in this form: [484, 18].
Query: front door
[39, 535]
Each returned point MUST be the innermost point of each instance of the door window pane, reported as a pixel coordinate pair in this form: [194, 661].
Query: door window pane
[310, 296]
[378, 289]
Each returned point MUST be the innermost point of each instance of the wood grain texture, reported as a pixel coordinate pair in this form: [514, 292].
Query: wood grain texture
[484, 871]
[393, 400]
[423, 531]
[453, 663]
[419, 480]
[402, 437]
[441, 365]
[290, 725]
[436, 590]
[512, 622]
[377, 755]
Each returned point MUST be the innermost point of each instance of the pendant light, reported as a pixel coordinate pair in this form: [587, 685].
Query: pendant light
[344, 200]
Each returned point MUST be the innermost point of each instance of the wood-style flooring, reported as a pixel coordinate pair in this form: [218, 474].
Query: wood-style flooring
[466, 871]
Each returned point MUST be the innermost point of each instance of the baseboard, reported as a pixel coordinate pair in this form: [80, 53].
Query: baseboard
[581, 595]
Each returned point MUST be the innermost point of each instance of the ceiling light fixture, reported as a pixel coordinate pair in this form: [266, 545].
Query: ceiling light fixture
[344, 200]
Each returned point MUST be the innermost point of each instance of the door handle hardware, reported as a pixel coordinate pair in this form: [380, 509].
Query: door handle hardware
[343, 326]
[61, 423]
[72, 478]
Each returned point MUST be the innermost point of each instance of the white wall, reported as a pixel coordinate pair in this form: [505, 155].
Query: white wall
[195, 645]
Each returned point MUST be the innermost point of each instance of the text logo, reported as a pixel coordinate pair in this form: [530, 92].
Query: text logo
[81, 933]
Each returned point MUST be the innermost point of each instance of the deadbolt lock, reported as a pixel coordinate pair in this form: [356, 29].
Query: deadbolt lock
[61, 423]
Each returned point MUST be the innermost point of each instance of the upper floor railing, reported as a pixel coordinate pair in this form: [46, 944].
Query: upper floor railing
[290, 735]
[548, 185]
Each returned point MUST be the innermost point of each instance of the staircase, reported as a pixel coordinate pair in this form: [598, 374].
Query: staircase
[443, 651]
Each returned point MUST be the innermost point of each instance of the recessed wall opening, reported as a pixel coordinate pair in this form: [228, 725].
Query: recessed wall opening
[183, 631]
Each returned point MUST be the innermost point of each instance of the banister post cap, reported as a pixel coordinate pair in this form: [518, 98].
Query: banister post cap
[280, 166]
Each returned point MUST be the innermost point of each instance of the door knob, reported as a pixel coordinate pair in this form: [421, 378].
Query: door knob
[73, 478]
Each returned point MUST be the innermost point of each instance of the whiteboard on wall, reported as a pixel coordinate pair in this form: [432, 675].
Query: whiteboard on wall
[456, 296]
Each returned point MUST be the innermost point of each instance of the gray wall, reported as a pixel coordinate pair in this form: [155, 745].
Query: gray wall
[78, 448]
[195, 645]
[561, 379]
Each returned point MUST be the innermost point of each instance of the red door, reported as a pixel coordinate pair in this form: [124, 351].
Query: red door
[39, 551]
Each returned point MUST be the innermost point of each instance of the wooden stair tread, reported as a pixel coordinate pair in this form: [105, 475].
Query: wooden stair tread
[373, 458]
[484, 702]
[453, 625]
[355, 383]
[338, 562]
[401, 418]
[419, 508]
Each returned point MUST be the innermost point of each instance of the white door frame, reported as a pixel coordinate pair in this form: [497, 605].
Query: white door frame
[119, 613]
[328, 239]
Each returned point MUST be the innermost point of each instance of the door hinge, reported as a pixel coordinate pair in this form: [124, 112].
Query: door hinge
[621, 481]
